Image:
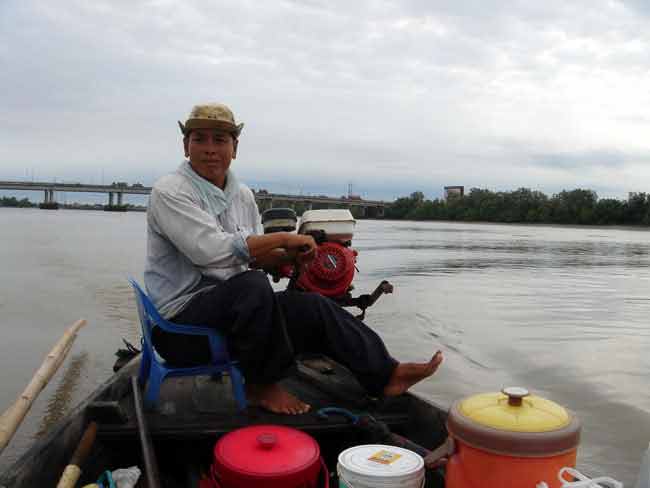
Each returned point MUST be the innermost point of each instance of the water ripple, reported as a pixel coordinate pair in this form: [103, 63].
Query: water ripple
[60, 402]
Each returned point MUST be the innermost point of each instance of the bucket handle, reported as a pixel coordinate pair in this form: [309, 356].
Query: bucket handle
[326, 473]
[439, 455]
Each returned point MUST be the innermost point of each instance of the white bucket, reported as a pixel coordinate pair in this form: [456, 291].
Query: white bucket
[379, 466]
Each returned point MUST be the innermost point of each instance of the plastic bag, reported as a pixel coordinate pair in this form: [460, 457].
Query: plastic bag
[127, 477]
[572, 478]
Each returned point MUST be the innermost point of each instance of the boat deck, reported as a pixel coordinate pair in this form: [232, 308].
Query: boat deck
[194, 407]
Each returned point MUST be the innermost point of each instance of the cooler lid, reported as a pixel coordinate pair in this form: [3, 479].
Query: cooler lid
[515, 422]
[266, 450]
[514, 409]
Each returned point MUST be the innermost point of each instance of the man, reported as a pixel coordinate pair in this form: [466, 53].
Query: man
[204, 236]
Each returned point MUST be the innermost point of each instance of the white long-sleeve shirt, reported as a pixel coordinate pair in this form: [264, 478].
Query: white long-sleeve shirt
[186, 243]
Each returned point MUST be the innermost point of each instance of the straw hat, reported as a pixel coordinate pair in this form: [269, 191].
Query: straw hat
[211, 116]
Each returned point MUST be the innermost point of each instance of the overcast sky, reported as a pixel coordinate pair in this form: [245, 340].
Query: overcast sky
[391, 96]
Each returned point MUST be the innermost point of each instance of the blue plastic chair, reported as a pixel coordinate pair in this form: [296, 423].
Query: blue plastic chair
[154, 370]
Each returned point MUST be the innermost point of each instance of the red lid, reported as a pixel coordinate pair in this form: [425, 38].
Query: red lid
[266, 451]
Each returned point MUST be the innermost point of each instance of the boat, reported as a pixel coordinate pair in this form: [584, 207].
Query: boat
[195, 412]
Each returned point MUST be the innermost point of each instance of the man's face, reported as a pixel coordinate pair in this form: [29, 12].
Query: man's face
[210, 152]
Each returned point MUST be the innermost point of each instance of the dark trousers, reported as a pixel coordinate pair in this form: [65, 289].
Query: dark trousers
[267, 329]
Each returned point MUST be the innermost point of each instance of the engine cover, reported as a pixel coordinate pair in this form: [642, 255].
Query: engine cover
[331, 272]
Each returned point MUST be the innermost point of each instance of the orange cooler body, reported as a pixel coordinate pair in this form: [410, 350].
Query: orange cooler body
[474, 468]
[510, 439]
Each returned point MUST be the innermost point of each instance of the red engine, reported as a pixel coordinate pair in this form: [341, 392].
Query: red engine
[331, 272]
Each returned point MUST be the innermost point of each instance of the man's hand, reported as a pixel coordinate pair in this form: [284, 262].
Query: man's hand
[270, 250]
[303, 247]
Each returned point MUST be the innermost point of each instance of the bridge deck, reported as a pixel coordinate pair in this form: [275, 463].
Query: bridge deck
[145, 190]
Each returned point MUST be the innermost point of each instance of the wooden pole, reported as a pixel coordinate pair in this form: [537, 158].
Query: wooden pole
[148, 453]
[72, 471]
[14, 415]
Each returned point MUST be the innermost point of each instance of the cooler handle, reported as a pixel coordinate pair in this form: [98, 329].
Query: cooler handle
[439, 455]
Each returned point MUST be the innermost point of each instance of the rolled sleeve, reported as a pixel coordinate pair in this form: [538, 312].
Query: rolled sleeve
[240, 246]
[196, 233]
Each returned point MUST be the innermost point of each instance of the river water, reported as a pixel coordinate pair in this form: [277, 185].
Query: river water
[561, 310]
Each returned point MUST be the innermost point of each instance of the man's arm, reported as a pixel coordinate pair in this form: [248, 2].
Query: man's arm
[271, 250]
[195, 233]
[273, 260]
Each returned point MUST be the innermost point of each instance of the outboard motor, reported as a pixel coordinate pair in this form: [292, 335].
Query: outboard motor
[332, 270]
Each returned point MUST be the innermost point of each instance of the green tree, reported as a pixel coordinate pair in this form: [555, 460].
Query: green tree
[637, 208]
[14, 202]
[577, 206]
[405, 207]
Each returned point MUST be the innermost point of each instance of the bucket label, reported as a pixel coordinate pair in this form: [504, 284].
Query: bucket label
[384, 457]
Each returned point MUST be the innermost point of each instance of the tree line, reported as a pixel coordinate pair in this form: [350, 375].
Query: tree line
[14, 202]
[526, 206]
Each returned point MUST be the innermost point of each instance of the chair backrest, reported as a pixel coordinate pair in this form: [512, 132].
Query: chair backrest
[150, 317]
[147, 312]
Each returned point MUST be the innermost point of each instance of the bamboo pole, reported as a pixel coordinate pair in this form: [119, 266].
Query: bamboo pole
[72, 471]
[14, 415]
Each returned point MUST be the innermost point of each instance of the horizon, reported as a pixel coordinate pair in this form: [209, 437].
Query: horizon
[141, 200]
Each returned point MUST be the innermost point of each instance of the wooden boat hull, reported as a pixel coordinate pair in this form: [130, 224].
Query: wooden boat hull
[194, 412]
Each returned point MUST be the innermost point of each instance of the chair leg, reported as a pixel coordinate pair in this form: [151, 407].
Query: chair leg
[152, 393]
[237, 382]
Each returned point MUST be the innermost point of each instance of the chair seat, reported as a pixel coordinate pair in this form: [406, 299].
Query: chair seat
[154, 370]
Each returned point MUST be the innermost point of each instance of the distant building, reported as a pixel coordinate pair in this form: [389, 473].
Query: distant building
[454, 191]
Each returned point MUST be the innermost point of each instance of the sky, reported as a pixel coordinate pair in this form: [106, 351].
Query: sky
[391, 97]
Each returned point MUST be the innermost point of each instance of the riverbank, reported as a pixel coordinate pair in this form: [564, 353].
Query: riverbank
[575, 207]
[74, 206]
[522, 206]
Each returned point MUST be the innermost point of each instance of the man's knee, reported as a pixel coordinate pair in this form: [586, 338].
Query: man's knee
[306, 304]
[251, 279]
[251, 284]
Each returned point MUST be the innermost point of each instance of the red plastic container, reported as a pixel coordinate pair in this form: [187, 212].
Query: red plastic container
[271, 456]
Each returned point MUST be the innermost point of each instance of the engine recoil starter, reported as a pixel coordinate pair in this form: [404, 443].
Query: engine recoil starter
[331, 272]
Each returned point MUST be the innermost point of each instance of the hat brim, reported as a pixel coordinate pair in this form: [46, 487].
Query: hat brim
[192, 124]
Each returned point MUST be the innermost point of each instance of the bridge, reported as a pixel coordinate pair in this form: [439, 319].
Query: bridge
[265, 200]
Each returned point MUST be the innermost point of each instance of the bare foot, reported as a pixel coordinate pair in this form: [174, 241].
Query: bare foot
[275, 399]
[406, 375]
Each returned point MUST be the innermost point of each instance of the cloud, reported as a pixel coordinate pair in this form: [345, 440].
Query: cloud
[378, 92]
[581, 160]
[637, 5]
